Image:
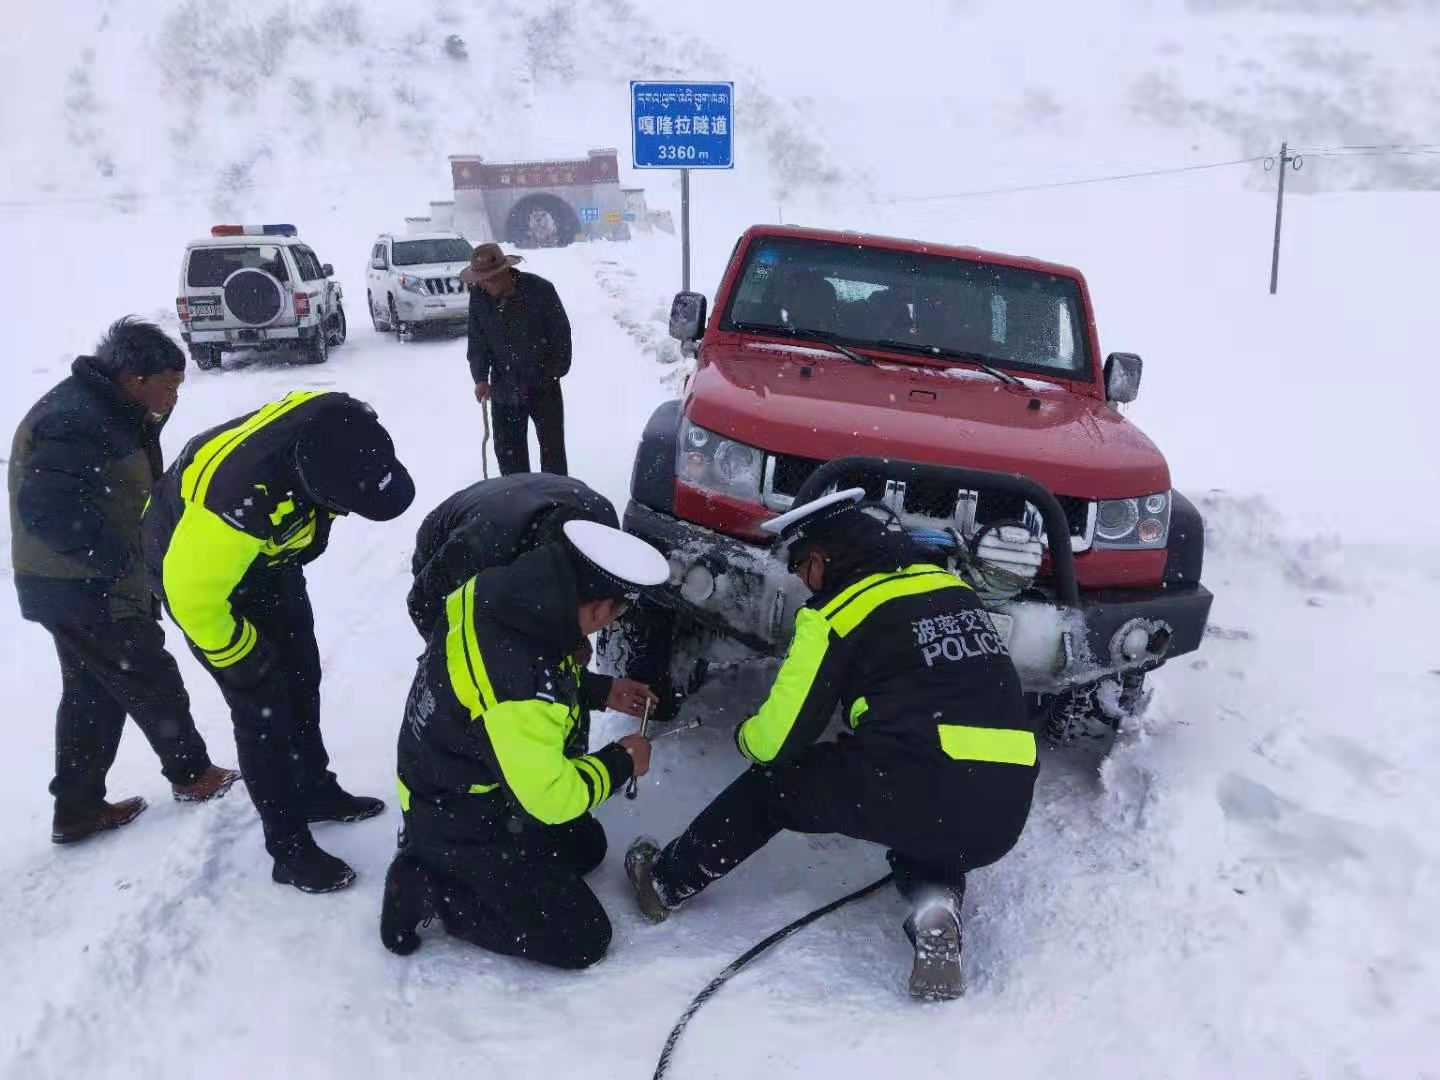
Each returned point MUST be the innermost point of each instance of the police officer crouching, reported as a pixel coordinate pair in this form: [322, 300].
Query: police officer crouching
[941, 764]
[231, 524]
[496, 793]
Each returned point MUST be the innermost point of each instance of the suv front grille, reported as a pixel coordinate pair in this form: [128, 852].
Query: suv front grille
[440, 286]
[929, 499]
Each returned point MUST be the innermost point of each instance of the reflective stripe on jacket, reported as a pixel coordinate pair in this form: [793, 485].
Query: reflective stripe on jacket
[917, 666]
[497, 701]
[229, 506]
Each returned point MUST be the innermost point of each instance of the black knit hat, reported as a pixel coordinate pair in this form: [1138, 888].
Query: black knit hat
[347, 463]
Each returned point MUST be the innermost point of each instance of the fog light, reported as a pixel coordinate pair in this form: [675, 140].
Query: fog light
[698, 584]
[1140, 640]
[677, 569]
[1135, 643]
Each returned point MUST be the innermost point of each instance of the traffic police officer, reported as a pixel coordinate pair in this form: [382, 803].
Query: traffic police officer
[231, 524]
[495, 785]
[941, 764]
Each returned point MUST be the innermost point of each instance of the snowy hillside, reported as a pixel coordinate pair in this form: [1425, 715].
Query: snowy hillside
[1246, 887]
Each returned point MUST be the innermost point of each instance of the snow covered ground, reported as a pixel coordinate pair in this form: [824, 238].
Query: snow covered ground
[1246, 887]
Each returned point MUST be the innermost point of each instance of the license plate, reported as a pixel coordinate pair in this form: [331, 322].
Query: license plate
[204, 309]
[1003, 625]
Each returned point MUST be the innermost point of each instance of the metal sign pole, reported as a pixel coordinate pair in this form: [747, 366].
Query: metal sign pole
[685, 229]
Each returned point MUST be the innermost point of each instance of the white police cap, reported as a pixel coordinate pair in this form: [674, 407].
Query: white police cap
[617, 556]
[799, 518]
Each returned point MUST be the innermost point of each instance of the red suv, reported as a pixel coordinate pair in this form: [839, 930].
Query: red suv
[966, 392]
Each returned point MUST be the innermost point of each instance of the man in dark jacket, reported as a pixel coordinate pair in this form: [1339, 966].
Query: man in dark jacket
[942, 763]
[233, 521]
[80, 471]
[519, 350]
[495, 781]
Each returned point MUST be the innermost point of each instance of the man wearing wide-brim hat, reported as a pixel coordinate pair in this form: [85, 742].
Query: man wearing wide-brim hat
[519, 351]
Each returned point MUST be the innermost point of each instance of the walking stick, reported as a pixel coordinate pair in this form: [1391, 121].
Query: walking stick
[632, 788]
[485, 445]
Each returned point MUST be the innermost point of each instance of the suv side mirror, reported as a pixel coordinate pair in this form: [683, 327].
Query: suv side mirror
[1122, 377]
[687, 316]
[377, 264]
[326, 270]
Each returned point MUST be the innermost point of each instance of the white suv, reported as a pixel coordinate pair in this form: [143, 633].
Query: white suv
[415, 280]
[257, 288]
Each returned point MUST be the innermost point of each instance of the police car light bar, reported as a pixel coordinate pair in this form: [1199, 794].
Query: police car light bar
[253, 230]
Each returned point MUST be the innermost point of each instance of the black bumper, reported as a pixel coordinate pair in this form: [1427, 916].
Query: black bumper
[758, 600]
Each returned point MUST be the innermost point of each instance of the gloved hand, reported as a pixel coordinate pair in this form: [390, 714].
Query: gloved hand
[1004, 560]
[256, 666]
[1011, 547]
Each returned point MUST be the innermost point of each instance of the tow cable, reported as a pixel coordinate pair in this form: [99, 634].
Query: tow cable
[774, 939]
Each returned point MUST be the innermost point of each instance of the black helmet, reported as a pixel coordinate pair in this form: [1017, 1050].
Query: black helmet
[347, 464]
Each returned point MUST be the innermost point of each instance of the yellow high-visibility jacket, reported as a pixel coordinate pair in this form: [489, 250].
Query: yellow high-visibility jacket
[229, 506]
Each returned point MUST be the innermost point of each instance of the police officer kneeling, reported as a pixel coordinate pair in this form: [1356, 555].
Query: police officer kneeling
[942, 763]
[496, 793]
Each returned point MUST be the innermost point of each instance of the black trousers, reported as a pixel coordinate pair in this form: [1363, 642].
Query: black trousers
[546, 406]
[519, 892]
[277, 721]
[107, 671]
[837, 788]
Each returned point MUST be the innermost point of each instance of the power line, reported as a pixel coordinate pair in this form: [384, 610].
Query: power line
[1077, 183]
[1384, 148]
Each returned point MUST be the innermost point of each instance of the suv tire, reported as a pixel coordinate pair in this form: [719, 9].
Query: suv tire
[382, 325]
[206, 357]
[402, 329]
[336, 335]
[317, 349]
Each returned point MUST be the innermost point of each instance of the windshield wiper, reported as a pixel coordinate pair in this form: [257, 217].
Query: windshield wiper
[980, 360]
[820, 336]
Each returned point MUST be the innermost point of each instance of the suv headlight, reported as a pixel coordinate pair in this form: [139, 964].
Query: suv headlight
[411, 283]
[718, 464]
[1142, 522]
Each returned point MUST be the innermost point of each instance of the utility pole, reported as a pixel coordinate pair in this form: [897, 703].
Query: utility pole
[1287, 160]
[685, 229]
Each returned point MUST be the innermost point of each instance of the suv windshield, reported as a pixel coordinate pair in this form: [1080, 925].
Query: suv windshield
[419, 252]
[907, 301]
[209, 267]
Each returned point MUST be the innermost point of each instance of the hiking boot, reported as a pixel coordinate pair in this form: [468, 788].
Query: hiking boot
[213, 783]
[935, 931]
[303, 864]
[640, 869]
[334, 803]
[71, 828]
[409, 902]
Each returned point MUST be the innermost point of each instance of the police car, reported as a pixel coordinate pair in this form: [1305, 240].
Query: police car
[257, 288]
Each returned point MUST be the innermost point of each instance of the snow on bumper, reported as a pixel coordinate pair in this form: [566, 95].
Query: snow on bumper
[415, 308]
[740, 590]
[243, 337]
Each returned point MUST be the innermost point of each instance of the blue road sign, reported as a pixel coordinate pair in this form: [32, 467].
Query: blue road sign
[589, 213]
[682, 125]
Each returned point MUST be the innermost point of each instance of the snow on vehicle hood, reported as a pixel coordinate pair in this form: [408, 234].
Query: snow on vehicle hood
[1073, 444]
